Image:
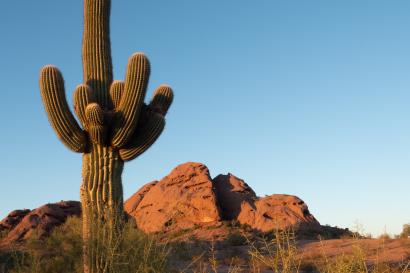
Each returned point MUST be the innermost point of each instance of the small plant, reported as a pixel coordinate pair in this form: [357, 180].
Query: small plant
[236, 239]
[61, 252]
[278, 254]
[358, 260]
[406, 231]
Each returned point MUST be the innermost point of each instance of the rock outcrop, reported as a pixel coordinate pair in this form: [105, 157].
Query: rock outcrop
[239, 202]
[132, 203]
[188, 197]
[277, 211]
[181, 200]
[232, 193]
[23, 223]
[12, 220]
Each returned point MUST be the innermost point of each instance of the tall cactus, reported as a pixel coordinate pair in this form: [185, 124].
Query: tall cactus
[116, 126]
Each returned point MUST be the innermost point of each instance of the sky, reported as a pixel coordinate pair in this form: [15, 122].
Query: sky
[309, 98]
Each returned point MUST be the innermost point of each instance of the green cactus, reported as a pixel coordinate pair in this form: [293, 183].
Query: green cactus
[116, 126]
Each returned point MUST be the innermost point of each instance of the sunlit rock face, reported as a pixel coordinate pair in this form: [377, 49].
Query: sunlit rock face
[23, 223]
[188, 197]
[182, 199]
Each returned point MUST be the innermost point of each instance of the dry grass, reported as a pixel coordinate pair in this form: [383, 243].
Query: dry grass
[61, 252]
[278, 254]
[139, 253]
[359, 261]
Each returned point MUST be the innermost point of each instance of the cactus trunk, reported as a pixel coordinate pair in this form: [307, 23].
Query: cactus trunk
[102, 205]
[97, 64]
[116, 126]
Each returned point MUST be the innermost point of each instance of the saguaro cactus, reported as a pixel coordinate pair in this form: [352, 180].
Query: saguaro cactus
[116, 126]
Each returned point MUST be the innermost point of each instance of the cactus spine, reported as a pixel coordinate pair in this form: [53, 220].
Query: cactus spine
[116, 126]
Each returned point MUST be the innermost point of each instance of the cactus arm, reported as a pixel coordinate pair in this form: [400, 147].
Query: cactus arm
[116, 91]
[147, 134]
[162, 99]
[82, 97]
[132, 100]
[97, 64]
[95, 121]
[150, 125]
[58, 112]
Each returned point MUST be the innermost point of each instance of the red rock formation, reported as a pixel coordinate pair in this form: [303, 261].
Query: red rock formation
[12, 220]
[185, 198]
[277, 211]
[239, 202]
[132, 203]
[188, 197]
[181, 200]
[232, 192]
[41, 220]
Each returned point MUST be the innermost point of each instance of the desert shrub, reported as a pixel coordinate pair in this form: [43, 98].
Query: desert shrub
[3, 234]
[406, 231]
[62, 252]
[180, 232]
[384, 236]
[279, 253]
[137, 252]
[232, 223]
[59, 252]
[358, 261]
[141, 253]
[9, 259]
[236, 239]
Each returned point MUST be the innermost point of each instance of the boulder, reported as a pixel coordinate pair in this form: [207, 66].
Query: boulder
[232, 192]
[277, 211]
[181, 200]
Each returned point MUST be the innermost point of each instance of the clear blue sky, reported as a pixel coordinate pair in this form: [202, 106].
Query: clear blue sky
[309, 98]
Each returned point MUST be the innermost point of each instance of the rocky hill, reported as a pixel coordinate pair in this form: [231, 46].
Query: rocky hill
[184, 199]
[21, 224]
[189, 197]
